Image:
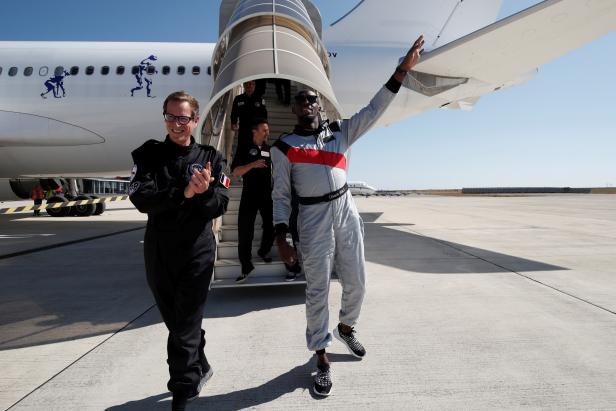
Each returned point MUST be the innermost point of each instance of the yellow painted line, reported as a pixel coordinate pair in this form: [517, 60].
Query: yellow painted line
[60, 205]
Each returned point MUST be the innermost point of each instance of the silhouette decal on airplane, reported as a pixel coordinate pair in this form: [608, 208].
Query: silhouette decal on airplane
[55, 84]
[143, 76]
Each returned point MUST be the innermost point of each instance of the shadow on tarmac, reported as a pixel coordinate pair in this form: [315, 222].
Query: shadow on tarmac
[415, 253]
[97, 287]
[296, 378]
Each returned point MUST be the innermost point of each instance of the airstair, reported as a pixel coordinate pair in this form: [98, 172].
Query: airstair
[261, 39]
[227, 267]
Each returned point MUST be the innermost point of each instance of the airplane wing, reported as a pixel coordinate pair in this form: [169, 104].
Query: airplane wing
[520, 43]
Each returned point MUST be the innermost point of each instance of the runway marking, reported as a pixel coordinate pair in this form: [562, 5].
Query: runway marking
[62, 244]
[15, 236]
[23, 209]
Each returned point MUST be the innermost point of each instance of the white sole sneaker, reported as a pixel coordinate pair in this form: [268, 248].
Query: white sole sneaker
[339, 338]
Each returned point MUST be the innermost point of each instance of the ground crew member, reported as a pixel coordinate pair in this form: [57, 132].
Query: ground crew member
[38, 195]
[246, 107]
[252, 162]
[179, 184]
[312, 161]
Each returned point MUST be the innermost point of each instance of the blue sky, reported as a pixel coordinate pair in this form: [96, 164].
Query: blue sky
[557, 130]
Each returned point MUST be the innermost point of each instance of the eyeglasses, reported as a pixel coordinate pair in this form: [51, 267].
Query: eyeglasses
[300, 98]
[183, 120]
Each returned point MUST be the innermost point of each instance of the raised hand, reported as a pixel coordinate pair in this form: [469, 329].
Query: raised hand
[412, 56]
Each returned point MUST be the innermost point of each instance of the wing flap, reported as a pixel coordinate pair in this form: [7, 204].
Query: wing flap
[522, 42]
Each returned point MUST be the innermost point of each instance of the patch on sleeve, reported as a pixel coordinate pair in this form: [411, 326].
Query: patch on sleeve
[133, 187]
[195, 167]
[224, 180]
[133, 172]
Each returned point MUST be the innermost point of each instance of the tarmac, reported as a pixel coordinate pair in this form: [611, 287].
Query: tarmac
[473, 303]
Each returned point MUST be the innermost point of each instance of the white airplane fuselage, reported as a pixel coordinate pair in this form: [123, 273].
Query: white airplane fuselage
[89, 125]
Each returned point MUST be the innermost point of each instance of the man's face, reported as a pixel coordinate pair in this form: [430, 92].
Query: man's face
[249, 87]
[306, 105]
[180, 133]
[260, 135]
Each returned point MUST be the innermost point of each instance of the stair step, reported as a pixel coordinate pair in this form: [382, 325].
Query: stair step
[227, 250]
[229, 233]
[230, 268]
[230, 218]
[257, 281]
[234, 204]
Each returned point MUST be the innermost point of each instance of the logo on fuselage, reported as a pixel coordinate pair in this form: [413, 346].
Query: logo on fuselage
[143, 76]
[55, 84]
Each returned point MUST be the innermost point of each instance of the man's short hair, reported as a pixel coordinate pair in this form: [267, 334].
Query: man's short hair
[258, 121]
[183, 96]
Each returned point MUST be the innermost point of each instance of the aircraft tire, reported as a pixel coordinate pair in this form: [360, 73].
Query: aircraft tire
[58, 212]
[83, 210]
[100, 207]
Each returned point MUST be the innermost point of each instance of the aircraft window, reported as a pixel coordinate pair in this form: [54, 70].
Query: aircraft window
[43, 71]
[0, 70]
[89, 70]
[12, 71]
[120, 70]
[181, 70]
[151, 69]
[74, 70]
[28, 71]
[166, 70]
[105, 70]
[58, 71]
[196, 70]
[135, 70]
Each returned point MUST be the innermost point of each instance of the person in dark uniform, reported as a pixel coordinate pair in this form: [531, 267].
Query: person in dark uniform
[252, 163]
[246, 107]
[180, 185]
[38, 195]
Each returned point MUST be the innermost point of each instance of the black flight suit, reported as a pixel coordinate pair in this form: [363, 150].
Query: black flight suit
[256, 196]
[246, 109]
[179, 247]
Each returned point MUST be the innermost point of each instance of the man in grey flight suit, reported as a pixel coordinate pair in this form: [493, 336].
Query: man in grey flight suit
[312, 160]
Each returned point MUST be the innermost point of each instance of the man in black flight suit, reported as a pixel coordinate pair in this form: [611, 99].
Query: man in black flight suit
[252, 163]
[180, 185]
[247, 107]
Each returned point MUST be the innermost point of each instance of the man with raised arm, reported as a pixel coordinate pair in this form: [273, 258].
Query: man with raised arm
[312, 160]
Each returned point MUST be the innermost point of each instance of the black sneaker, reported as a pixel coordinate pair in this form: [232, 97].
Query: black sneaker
[264, 256]
[204, 379]
[291, 276]
[323, 382]
[246, 269]
[353, 345]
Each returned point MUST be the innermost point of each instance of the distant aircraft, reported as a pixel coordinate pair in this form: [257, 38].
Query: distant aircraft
[91, 128]
[361, 188]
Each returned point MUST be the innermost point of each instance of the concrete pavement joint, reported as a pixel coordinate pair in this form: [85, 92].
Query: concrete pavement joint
[82, 356]
[515, 272]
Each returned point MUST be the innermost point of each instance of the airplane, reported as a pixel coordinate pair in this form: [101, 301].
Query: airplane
[77, 109]
[361, 188]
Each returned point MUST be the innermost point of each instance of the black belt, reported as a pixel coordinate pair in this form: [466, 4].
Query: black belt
[324, 198]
